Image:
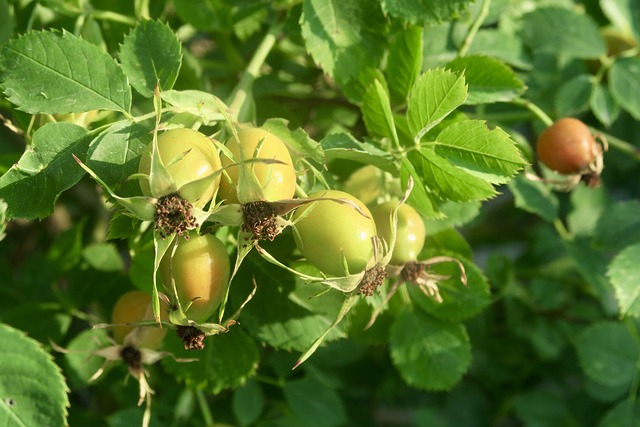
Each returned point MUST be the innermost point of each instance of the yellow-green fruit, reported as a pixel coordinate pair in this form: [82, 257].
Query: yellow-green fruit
[410, 232]
[200, 269]
[200, 160]
[131, 307]
[332, 228]
[278, 180]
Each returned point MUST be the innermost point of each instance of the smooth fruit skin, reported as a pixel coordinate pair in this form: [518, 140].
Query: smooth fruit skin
[410, 233]
[135, 306]
[566, 146]
[202, 160]
[278, 181]
[201, 269]
[332, 227]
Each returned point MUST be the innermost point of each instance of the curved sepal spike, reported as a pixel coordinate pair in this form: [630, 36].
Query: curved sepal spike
[348, 303]
[377, 310]
[140, 207]
[230, 215]
[160, 245]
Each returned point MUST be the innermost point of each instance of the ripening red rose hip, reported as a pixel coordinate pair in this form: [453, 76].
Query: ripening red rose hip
[567, 147]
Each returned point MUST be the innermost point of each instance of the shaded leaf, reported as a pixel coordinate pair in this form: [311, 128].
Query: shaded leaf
[624, 84]
[534, 197]
[226, 362]
[603, 105]
[562, 31]
[429, 354]
[608, 353]
[459, 302]
[314, 403]
[618, 226]
[32, 186]
[574, 96]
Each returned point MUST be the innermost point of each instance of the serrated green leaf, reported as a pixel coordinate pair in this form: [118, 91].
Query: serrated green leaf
[489, 79]
[619, 226]
[203, 105]
[298, 142]
[344, 37]
[558, 30]
[314, 403]
[624, 273]
[32, 186]
[534, 197]
[624, 84]
[424, 11]
[421, 197]
[429, 354]
[345, 146]
[603, 106]
[226, 361]
[151, 54]
[404, 63]
[50, 72]
[624, 414]
[376, 112]
[459, 302]
[33, 391]
[446, 181]
[486, 153]
[608, 353]
[624, 15]
[573, 96]
[502, 45]
[435, 95]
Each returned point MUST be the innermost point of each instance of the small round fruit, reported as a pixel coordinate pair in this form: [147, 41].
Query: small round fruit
[131, 307]
[278, 181]
[201, 160]
[567, 146]
[332, 228]
[410, 233]
[200, 268]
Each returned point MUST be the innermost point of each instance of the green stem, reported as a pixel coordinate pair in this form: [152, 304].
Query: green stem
[482, 15]
[142, 9]
[108, 15]
[204, 407]
[562, 230]
[240, 93]
[618, 143]
[271, 381]
[534, 109]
